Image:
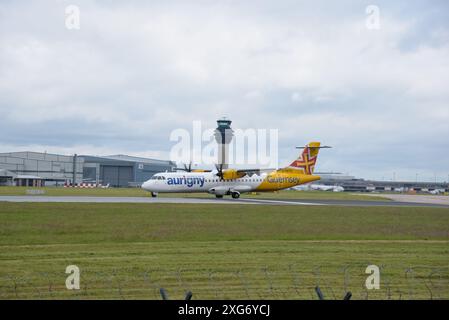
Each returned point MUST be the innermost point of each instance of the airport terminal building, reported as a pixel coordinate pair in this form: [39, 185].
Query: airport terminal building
[352, 184]
[34, 169]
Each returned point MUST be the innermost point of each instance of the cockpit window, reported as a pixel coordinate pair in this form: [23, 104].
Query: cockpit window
[157, 178]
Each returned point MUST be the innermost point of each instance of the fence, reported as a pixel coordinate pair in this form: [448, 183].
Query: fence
[288, 282]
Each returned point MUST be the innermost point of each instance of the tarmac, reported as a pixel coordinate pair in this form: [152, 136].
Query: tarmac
[397, 201]
[442, 200]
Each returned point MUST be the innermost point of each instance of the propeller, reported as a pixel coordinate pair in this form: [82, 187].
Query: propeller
[219, 168]
[186, 168]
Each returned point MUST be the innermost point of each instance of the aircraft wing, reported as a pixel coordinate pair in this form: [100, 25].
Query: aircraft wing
[230, 174]
[250, 172]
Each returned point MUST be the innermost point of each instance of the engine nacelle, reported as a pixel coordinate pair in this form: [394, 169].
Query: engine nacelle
[219, 191]
[232, 174]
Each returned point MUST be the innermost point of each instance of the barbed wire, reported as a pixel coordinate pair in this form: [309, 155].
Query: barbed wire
[265, 282]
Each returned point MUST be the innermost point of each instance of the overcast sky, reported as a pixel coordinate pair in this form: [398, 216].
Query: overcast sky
[135, 71]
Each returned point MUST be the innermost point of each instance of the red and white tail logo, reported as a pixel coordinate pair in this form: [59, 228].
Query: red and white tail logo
[307, 159]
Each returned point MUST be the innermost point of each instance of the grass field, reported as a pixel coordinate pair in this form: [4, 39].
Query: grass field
[128, 251]
[138, 192]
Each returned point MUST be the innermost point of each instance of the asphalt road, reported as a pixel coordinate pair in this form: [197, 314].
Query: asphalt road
[260, 201]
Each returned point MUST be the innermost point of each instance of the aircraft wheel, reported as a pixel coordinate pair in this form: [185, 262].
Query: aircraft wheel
[235, 195]
[154, 194]
[219, 196]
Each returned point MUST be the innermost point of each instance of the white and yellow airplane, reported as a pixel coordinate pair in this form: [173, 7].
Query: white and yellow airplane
[234, 182]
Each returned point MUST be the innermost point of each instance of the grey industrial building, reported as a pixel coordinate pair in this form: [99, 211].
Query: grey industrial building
[122, 170]
[36, 169]
[352, 184]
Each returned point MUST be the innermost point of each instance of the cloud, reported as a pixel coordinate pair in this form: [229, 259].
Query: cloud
[136, 71]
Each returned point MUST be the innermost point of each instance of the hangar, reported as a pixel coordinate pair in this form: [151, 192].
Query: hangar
[34, 169]
[122, 170]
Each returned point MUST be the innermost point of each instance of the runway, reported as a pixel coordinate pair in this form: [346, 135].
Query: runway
[443, 200]
[352, 203]
[79, 199]
[229, 201]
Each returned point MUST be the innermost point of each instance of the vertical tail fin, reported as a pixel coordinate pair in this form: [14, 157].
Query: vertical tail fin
[307, 160]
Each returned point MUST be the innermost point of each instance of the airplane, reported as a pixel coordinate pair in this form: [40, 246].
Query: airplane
[233, 182]
[320, 187]
[437, 191]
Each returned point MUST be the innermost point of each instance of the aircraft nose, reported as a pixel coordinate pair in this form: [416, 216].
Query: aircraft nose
[145, 185]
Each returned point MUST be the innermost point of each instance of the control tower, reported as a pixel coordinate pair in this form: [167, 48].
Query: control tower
[223, 135]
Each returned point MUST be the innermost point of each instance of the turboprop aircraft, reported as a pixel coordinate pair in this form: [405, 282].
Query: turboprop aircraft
[236, 181]
[319, 187]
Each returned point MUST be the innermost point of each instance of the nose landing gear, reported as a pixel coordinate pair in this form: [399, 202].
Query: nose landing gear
[154, 194]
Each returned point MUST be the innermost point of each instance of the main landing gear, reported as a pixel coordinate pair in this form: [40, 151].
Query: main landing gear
[235, 195]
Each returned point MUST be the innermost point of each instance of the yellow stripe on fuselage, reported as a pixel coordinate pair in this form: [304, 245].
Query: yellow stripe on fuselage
[279, 180]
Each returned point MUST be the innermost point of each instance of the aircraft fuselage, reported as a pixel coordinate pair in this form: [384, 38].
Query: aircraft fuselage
[190, 182]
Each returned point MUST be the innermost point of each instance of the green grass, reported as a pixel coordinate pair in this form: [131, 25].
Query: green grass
[50, 223]
[61, 191]
[138, 192]
[219, 251]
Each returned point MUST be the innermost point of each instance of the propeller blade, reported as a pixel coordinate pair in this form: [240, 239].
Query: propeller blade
[219, 171]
